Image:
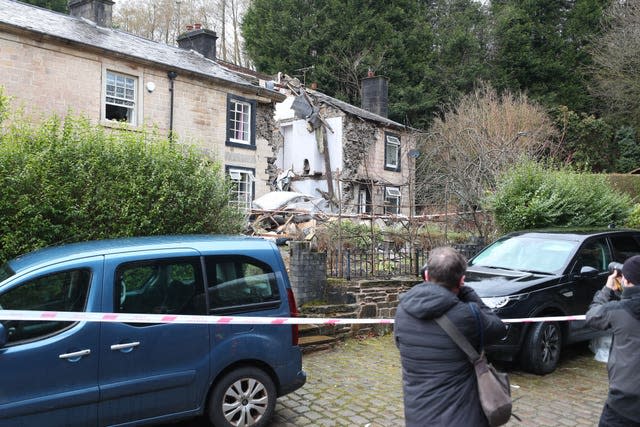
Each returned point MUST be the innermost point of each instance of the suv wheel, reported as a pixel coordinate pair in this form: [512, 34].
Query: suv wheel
[245, 397]
[541, 350]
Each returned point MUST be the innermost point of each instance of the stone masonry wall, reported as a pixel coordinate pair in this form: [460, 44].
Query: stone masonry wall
[307, 272]
[359, 299]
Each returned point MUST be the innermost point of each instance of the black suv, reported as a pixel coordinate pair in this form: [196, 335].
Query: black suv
[545, 273]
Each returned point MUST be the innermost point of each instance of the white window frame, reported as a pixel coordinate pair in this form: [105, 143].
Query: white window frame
[134, 100]
[120, 92]
[243, 189]
[391, 160]
[392, 198]
[240, 127]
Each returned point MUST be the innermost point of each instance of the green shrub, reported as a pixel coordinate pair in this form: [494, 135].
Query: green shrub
[534, 196]
[69, 181]
[633, 221]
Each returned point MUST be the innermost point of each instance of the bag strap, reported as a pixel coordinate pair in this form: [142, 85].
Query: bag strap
[474, 308]
[457, 337]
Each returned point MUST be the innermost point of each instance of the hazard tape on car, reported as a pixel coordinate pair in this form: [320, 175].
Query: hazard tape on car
[68, 316]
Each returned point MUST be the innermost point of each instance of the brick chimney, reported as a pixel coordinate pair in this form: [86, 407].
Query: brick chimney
[201, 40]
[375, 94]
[98, 11]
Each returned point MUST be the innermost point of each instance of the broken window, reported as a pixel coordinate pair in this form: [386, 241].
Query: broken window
[120, 97]
[240, 121]
[391, 152]
[242, 187]
[392, 197]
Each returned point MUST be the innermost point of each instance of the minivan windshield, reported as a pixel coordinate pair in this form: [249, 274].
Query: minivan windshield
[526, 253]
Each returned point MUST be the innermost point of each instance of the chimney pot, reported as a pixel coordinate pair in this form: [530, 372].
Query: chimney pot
[189, 27]
[197, 26]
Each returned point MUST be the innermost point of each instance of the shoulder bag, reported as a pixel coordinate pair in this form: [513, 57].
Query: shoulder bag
[493, 386]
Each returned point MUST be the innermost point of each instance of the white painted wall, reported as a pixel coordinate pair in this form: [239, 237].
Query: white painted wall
[300, 144]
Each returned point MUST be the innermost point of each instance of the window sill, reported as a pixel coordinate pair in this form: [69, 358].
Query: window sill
[113, 124]
[229, 143]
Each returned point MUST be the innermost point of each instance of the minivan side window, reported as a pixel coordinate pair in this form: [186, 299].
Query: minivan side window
[161, 286]
[239, 284]
[62, 291]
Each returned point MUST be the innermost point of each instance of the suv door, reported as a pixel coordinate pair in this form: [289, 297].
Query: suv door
[593, 253]
[152, 370]
[50, 368]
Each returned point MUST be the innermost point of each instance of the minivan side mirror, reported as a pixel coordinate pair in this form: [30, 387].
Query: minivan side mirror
[3, 335]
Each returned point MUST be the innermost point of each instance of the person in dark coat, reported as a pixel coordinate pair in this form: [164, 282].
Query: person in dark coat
[621, 316]
[438, 380]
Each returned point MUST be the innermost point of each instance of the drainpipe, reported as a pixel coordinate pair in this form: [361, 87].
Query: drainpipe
[172, 76]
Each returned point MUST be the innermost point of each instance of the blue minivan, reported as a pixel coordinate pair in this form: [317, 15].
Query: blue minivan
[84, 373]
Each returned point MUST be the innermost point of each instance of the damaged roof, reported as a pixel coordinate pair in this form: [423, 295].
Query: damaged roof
[84, 33]
[356, 111]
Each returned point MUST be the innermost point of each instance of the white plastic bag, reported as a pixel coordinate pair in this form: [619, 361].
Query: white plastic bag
[600, 346]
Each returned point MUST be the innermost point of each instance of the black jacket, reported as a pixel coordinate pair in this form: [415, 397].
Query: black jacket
[622, 318]
[439, 383]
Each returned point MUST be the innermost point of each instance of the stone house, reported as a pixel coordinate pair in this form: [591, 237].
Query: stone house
[356, 157]
[58, 63]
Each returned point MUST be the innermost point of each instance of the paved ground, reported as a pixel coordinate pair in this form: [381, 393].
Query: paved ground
[359, 384]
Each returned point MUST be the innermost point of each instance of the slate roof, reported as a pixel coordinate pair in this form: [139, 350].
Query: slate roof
[83, 32]
[356, 111]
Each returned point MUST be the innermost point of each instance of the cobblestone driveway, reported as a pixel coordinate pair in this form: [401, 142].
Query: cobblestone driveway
[359, 384]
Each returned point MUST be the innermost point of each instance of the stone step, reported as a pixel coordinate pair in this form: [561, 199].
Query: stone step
[312, 343]
[315, 340]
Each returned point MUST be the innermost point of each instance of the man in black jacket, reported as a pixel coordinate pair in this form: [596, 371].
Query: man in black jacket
[439, 382]
[622, 318]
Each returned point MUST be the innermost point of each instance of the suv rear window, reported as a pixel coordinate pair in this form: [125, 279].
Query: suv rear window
[624, 246]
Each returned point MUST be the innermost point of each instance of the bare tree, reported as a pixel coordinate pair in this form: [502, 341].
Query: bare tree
[165, 20]
[616, 57]
[466, 150]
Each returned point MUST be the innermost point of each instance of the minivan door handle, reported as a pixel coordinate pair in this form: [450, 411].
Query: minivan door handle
[126, 346]
[76, 355]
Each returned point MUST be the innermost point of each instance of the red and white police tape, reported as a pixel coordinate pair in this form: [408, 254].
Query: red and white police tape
[68, 316]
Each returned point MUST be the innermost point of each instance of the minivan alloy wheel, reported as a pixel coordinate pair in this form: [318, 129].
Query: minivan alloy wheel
[245, 401]
[242, 398]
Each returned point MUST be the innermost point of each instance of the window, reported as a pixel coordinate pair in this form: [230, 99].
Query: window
[243, 187]
[239, 284]
[64, 291]
[120, 97]
[593, 254]
[392, 200]
[391, 152]
[624, 246]
[241, 122]
[159, 286]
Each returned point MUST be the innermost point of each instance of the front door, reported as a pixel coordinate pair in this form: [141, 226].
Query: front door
[153, 370]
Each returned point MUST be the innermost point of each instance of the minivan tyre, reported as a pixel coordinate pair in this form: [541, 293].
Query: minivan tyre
[245, 397]
[541, 350]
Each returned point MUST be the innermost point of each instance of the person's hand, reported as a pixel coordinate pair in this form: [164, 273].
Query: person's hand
[611, 281]
[463, 292]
